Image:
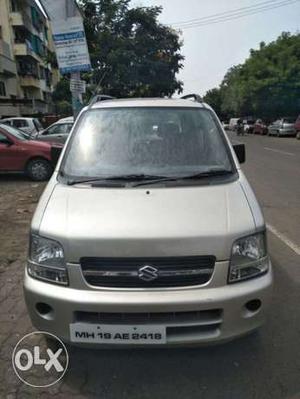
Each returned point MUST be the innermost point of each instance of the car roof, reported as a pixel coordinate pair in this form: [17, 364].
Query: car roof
[17, 117]
[148, 102]
[69, 119]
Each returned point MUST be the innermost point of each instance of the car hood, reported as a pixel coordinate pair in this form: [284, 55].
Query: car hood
[181, 221]
[36, 144]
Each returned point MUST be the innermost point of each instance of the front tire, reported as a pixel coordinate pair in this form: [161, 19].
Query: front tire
[298, 135]
[39, 169]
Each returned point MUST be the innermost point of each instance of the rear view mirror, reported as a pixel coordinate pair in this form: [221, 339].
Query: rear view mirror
[240, 151]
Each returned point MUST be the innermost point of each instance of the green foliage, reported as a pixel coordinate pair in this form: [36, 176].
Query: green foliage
[266, 85]
[132, 54]
[63, 108]
[62, 98]
[62, 91]
[214, 98]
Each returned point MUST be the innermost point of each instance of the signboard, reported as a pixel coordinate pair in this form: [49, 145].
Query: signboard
[77, 86]
[68, 36]
[70, 44]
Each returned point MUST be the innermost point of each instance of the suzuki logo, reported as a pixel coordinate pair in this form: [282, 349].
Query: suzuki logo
[148, 273]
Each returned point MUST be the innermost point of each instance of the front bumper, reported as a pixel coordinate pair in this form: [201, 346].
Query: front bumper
[233, 320]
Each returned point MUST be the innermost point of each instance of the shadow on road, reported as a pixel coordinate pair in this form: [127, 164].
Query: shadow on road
[166, 373]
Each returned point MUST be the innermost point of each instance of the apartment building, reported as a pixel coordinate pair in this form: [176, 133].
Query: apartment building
[28, 70]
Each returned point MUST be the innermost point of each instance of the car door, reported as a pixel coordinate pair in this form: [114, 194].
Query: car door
[11, 156]
[273, 128]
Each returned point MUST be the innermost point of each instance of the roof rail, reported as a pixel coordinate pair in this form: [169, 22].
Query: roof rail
[99, 97]
[196, 97]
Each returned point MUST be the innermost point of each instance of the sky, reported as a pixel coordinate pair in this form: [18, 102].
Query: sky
[211, 50]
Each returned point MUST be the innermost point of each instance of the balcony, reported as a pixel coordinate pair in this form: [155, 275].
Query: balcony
[20, 19]
[25, 50]
[7, 65]
[30, 81]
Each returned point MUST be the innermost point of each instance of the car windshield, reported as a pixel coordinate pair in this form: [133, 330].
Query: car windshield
[147, 140]
[16, 132]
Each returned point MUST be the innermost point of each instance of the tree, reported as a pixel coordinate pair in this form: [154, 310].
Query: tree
[267, 84]
[214, 99]
[62, 98]
[132, 54]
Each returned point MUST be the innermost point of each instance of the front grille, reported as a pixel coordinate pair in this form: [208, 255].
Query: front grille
[199, 317]
[148, 272]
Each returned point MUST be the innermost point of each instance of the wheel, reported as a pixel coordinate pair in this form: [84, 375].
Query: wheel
[278, 134]
[39, 169]
[298, 135]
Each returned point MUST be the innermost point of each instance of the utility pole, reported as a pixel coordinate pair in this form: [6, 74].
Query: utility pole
[77, 103]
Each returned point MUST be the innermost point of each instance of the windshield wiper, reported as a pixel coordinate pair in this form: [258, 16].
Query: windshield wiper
[196, 176]
[121, 178]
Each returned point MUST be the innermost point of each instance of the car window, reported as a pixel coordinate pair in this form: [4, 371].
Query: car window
[69, 127]
[157, 141]
[3, 138]
[19, 123]
[56, 129]
[8, 123]
[16, 133]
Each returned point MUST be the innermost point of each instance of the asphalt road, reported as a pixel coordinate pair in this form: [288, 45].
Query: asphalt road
[265, 365]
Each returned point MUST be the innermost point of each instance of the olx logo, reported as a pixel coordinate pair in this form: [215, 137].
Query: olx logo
[34, 362]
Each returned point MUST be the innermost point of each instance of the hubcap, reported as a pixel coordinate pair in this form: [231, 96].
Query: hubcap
[39, 170]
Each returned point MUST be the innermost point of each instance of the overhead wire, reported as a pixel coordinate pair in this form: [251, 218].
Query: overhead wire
[233, 14]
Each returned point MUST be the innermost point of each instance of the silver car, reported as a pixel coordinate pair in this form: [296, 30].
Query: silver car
[31, 126]
[282, 127]
[148, 232]
[58, 132]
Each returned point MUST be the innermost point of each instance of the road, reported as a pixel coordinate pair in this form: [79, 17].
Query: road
[265, 365]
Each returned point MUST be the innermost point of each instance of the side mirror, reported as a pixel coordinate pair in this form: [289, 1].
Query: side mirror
[240, 151]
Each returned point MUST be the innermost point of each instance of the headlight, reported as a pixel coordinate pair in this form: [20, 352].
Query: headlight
[47, 261]
[248, 258]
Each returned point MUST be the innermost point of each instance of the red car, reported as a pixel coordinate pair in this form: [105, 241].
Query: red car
[297, 127]
[19, 153]
[260, 127]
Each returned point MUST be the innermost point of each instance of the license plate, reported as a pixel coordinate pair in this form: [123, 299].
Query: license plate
[117, 334]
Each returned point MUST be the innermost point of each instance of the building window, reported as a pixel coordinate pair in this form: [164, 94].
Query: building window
[14, 5]
[42, 73]
[2, 89]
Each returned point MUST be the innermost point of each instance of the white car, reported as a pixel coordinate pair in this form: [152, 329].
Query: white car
[32, 126]
[58, 132]
[148, 232]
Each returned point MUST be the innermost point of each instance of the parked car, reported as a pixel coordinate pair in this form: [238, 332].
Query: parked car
[58, 132]
[31, 126]
[148, 232]
[297, 127]
[260, 127]
[19, 153]
[248, 126]
[233, 123]
[282, 127]
[225, 125]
